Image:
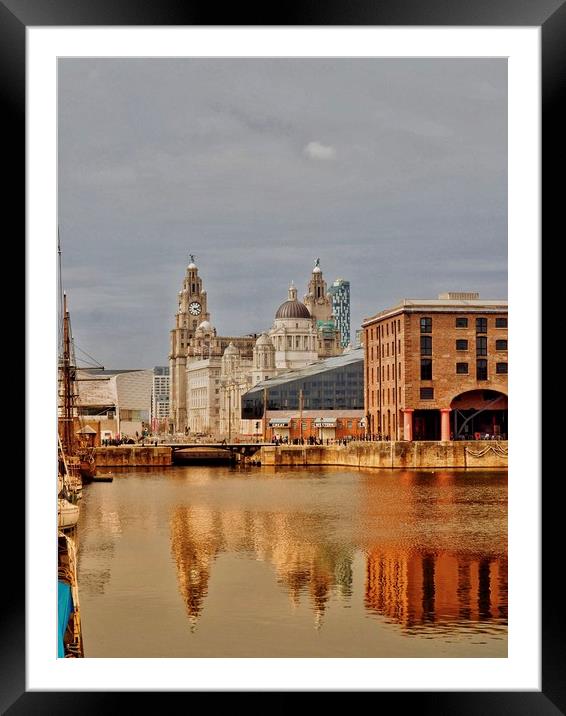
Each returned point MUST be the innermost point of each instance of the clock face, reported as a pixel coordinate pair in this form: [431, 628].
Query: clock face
[194, 308]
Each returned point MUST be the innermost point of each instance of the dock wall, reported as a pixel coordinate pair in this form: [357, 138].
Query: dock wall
[399, 455]
[133, 456]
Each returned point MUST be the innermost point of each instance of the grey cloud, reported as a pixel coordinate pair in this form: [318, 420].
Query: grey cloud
[161, 157]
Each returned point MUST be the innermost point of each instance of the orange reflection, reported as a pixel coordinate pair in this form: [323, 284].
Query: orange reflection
[303, 565]
[416, 589]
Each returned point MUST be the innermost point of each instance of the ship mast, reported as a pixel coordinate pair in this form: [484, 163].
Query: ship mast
[67, 374]
[67, 379]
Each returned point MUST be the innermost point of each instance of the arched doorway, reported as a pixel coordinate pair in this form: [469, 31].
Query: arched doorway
[479, 413]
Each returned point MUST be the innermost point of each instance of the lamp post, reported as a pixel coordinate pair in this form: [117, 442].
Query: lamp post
[301, 414]
[230, 413]
[264, 436]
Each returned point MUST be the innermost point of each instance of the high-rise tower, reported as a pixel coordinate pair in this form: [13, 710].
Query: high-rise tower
[340, 293]
[191, 313]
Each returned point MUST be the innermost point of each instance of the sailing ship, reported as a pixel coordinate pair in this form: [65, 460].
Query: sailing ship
[79, 453]
[69, 492]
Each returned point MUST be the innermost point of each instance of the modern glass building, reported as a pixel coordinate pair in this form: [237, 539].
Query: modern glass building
[329, 384]
[340, 292]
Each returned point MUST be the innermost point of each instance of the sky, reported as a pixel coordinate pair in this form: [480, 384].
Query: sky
[392, 171]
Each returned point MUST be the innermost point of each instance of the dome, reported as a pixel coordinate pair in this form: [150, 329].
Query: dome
[292, 309]
[205, 326]
[231, 350]
[317, 269]
[265, 340]
[192, 265]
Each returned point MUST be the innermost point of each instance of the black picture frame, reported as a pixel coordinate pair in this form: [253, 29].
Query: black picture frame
[550, 16]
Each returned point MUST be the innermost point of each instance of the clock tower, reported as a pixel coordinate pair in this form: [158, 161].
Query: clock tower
[192, 311]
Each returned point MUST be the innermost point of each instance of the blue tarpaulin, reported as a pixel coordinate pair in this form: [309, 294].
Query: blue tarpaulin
[64, 609]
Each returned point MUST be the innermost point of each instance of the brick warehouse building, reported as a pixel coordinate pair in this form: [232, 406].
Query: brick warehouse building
[436, 369]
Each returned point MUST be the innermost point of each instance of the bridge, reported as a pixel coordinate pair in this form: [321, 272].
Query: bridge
[244, 450]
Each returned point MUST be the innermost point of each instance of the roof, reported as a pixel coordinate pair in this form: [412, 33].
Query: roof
[87, 430]
[265, 340]
[354, 356]
[108, 372]
[231, 350]
[440, 305]
[292, 309]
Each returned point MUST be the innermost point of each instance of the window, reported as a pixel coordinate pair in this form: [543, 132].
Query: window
[501, 345]
[399, 351]
[462, 368]
[481, 346]
[481, 325]
[427, 393]
[481, 369]
[426, 325]
[461, 345]
[426, 345]
[426, 369]
[501, 368]
[501, 323]
[461, 322]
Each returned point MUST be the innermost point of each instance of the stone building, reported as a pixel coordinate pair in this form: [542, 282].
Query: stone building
[210, 373]
[192, 311]
[238, 375]
[235, 379]
[294, 334]
[319, 303]
[209, 376]
[195, 360]
[437, 369]
[317, 299]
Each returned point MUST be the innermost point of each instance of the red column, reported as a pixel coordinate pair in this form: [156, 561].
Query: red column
[445, 423]
[408, 423]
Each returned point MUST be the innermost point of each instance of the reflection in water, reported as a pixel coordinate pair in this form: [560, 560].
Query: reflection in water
[313, 566]
[445, 590]
[202, 561]
[412, 579]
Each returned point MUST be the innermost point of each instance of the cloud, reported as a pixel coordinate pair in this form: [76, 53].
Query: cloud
[316, 150]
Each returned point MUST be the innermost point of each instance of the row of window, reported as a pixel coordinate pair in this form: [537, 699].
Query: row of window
[481, 345]
[462, 322]
[340, 423]
[462, 345]
[387, 396]
[385, 350]
[383, 330]
[463, 369]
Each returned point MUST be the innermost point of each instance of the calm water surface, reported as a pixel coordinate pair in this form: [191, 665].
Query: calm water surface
[261, 562]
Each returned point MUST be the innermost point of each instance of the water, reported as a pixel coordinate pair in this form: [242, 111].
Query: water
[262, 562]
